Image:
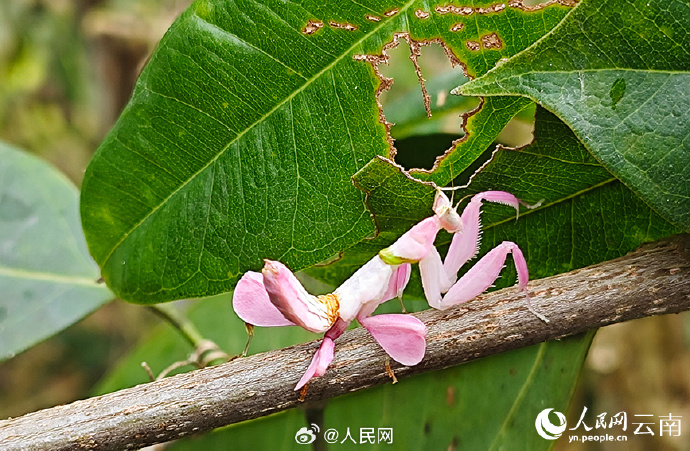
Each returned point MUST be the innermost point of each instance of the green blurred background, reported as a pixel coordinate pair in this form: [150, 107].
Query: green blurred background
[67, 68]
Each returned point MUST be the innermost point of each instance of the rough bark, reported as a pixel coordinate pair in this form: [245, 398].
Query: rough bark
[650, 281]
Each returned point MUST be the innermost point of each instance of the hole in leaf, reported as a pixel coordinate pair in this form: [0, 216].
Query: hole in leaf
[533, 5]
[519, 131]
[426, 118]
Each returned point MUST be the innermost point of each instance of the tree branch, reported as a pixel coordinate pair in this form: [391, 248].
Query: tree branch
[651, 281]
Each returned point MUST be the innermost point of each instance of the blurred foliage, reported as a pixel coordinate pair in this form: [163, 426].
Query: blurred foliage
[640, 367]
[66, 70]
[68, 67]
[48, 92]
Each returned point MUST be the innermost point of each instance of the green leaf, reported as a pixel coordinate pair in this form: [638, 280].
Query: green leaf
[240, 140]
[617, 73]
[47, 278]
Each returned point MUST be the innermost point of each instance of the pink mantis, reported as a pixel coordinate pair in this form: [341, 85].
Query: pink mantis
[275, 297]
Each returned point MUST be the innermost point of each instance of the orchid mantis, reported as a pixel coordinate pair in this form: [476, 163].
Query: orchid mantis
[275, 297]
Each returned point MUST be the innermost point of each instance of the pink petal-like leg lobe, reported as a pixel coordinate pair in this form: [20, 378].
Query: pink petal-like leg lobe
[403, 337]
[400, 278]
[286, 293]
[319, 363]
[251, 303]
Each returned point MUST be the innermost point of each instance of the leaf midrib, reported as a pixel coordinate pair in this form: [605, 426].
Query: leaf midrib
[542, 207]
[254, 124]
[521, 394]
[28, 274]
[481, 83]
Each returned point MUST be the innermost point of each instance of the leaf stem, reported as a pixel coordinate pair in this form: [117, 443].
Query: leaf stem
[180, 322]
[206, 352]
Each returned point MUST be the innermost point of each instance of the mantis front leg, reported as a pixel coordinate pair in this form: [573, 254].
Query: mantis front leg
[440, 277]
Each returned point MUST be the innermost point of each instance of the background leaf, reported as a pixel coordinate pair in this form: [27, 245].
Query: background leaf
[617, 73]
[47, 278]
[239, 143]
